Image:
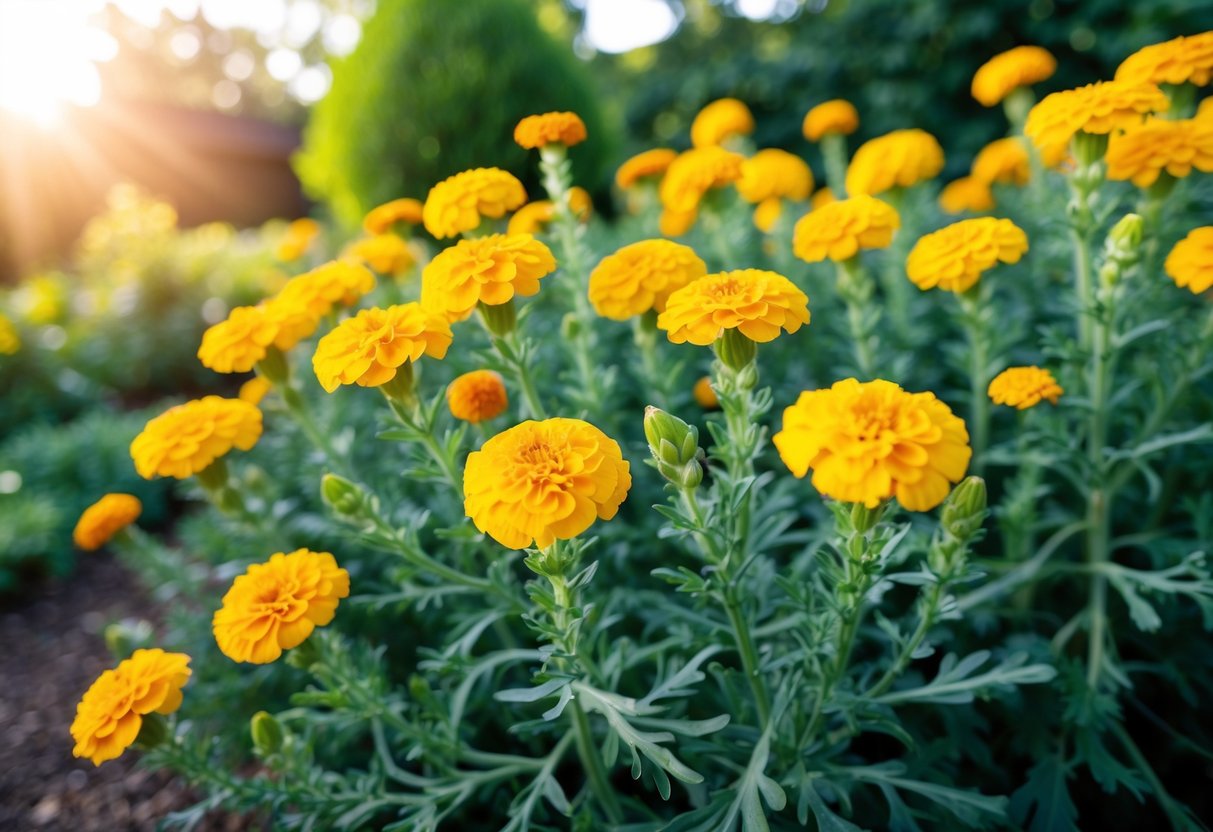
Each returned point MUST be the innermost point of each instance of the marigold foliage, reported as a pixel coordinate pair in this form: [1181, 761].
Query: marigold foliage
[834, 116]
[381, 218]
[968, 193]
[297, 239]
[105, 518]
[721, 120]
[1096, 108]
[872, 441]
[1003, 160]
[644, 165]
[895, 160]
[385, 253]
[489, 270]
[1190, 263]
[477, 396]
[838, 230]
[1142, 153]
[236, 344]
[187, 438]
[759, 304]
[305, 300]
[550, 128]
[696, 172]
[1178, 61]
[953, 258]
[539, 482]
[642, 276]
[1022, 66]
[369, 348]
[1024, 387]
[458, 203]
[276, 605]
[111, 711]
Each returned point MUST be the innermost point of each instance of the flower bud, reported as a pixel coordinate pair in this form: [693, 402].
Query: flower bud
[735, 350]
[1122, 249]
[675, 447]
[965, 508]
[343, 496]
[570, 327]
[267, 733]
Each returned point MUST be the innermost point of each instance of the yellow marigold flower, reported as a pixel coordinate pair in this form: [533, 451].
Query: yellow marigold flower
[1178, 61]
[187, 438]
[968, 193]
[370, 347]
[898, 159]
[381, 218]
[757, 303]
[532, 217]
[276, 605]
[643, 165]
[821, 198]
[105, 518]
[642, 276]
[1022, 66]
[834, 116]
[838, 230]
[236, 344]
[1023, 387]
[477, 396]
[550, 128]
[1190, 263]
[297, 239]
[305, 300]
[385, 253]
[720, 120]
[490, 270]
[10, 339]
[111, 711]
[774, 173]
[1143, 152]
[458, 203]
[539, 482]
[871, 441]
[676, 223]
[767, 213]
[1003, 160]
[704, 395]
[253, 390]
[1099, 108]
[694, 173]
[953, 258]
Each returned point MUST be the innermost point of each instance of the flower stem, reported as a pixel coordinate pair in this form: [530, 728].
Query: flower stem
[749, 656]
[600, 784]
[979, 368]
[856, 289]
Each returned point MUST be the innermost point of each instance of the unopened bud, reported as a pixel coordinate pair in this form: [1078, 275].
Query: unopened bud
[965, 508]
[735, 350]
[675, 447]
[267, 733]
[1122, 248]
[342, 495]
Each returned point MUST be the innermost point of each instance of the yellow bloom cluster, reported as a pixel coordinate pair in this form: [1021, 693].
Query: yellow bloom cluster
[1024, 387]
[1022, 66]
[306, 299]
[1098, 108]
[1182, 60]
[105, 518]
[490, 270]
[236, 344]
[187, 438]
[834, 116]
[532, 217]
[1190, 263]
[1003, 160]
[642, 276]
[477, 396]
[759, 304]
[539, 482]
[369, 348]
[1142, 153]
[953, 258]
[770, 176]
[838, 230]
[688, 178]
[458, 203]
[550, 128]
[253, 390]
[381, 218]
[276, 605]
[721, 120]
[297, 239]
[898, 159]
[968, 193]
[385, 253]
[643, 165]
[10, 339]
[871, 441]
[111, 711]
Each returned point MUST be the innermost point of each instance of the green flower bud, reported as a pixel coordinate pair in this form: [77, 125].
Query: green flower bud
[1122, 249]
[570, 327]
[735, 350]
[965, 508]
[342, 495]
[675, 447]
[499, 319]
[152, 732]
[267, 733]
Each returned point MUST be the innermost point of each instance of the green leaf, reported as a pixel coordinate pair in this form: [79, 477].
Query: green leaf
[1045, 798]
[827, 821]
[958, 682]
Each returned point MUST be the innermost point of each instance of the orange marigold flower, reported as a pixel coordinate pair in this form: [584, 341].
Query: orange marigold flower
[774, 173]
[1190, 263]
[1003, 160]
[968, 193]
[297, 239]
[953, 258]
[1099, 108]
[532, 217]
[642, 276]
[720, 120]
[381, 218]
[186, 439]
[1022, 66]
[1178, 61]
[477, 396]
[898, 159]
[236, 344]
[370, 347]
[757, 303]
[254, 390]
[458, 203]
[834, 116]
[305, 300]
[111, 711]
[871, 441]
[539, 482]
[1143, 152]
[385, 253]
[105, 518]
[838, 230]
[276, 605]
[490, 270]
[704, 395]
[643, 165]
[694, 173]
[550, 128]
[1023, 387]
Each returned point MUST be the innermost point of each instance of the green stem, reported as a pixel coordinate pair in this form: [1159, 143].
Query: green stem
[298, 409]
[749, 656]
[834, 154]
[1173, 812]
[979, 368]
[644, 335]
[925, 622]
[857, 289]
[591, 761]
[507, 349]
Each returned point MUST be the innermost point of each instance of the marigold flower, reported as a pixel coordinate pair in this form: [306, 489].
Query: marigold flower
[1099, 108]
[10, 339]
[676, 223]
[953, 258]
[838, 230]
[642, 276]
[477, 396]
[821, 197]
[1178, 61]
[186, 439]
[276, 605]
[489, 270]
[1190, 263]
[720, 120]
[694, 173]
[532, 217]
[105, 518]
[1143, 152]
[757, 303]
[297, 239]
[834, 116]
[458, 203]
[1022, 66]
[381, 218]
[305, 300]
[968, 193]
[254, 390]
[871, 441]
[111, 711]
[704, 395]
[539, 482]
[550, 128]
[370, 347]
[1003, 160]
[898, 159]
[767, 213]
[774, 173]
[385, 253]
[236, 344]
[1023, 387]
[643, 165]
